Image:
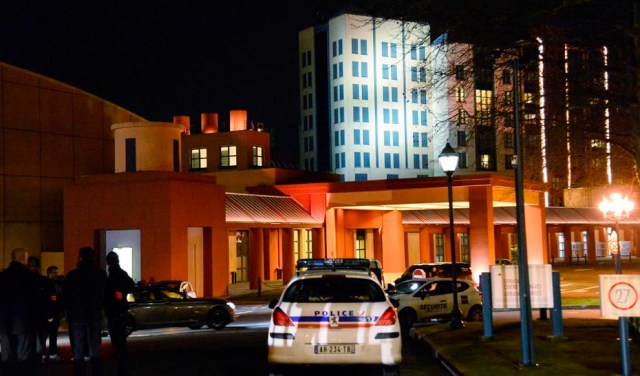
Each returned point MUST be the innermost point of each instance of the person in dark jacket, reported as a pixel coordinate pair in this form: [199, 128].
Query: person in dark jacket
[119, 285]
[44, 307]
[56, 306]
[18, 293]
[83, 295]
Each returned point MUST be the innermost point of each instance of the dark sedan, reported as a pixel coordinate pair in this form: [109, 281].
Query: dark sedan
[161, 307]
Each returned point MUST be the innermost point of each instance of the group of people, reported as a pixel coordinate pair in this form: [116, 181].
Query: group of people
[31, 305]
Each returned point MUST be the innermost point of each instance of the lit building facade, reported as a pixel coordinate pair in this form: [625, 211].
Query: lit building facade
[364, 110]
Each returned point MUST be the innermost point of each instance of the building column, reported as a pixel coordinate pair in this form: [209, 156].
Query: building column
[256, 257]
[536, 234]
[481, 230]
[426, 245]
[568, 236]
[288, 258]
[393, 253]
[591, 244]
[318, 243]
[552, 243]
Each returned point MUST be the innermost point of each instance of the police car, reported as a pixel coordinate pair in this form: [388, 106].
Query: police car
[328, 315]
[432, 299]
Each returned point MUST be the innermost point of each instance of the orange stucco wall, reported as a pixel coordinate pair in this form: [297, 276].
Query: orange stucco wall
[162, 206]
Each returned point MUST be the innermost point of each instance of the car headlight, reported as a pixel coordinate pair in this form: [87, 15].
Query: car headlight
[231, 305]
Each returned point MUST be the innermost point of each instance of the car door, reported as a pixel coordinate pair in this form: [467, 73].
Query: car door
[437, 300]
[178, 309]
[147, 309]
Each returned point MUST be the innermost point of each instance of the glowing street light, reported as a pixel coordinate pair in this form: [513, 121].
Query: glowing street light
[448, 159]
[615, 209]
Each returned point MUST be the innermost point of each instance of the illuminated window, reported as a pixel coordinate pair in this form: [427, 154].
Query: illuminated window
[485, 161]
[462, 116]
[598, 144]
[308, 244]
[460, 94]
[439, 246]
[508, 161]
[198, 158]
[527, 98]
[228, 156]
[361, 251]
[464, 248]
[258, 157]
[508, 97]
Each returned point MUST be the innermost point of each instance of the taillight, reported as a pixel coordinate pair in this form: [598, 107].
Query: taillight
[389, 317]
[280, 318]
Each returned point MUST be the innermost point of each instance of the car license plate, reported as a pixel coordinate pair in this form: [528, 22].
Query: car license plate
[335, 349]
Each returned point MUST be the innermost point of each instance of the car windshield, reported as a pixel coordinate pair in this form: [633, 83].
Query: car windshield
[408, 287]
[335, 290]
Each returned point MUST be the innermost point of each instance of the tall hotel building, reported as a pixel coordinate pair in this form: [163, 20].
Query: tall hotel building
[364, 106]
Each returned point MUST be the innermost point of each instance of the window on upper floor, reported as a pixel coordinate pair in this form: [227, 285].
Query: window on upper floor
[258, 156]
[459, 72]
[198, 158]
[228, 156]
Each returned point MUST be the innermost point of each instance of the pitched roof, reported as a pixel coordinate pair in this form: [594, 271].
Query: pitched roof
[250, 208]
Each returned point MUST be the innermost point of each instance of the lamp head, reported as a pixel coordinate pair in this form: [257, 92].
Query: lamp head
[448, 159]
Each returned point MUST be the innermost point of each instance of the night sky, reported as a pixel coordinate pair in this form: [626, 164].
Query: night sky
[164, 58]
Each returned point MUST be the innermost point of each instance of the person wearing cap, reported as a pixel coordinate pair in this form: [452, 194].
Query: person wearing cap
[119, 285]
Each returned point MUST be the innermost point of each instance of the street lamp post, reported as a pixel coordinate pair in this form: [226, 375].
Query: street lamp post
[448, 159]
[616, 209]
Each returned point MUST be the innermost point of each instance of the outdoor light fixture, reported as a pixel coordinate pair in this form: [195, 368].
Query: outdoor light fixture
[448, 159]
[615, 209]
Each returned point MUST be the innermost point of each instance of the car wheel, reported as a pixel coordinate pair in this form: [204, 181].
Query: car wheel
[407, 318]
[475, 314]
[390, 371]
[217, 319]
[131, 326]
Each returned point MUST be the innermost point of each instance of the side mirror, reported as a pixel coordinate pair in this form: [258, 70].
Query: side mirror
[394, 302]
[273, 303]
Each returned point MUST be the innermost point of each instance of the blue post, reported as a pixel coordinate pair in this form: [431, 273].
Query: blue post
[556, 316]
[487, 311]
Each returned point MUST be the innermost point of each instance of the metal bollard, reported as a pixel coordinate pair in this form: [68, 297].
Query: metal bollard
[487, 310]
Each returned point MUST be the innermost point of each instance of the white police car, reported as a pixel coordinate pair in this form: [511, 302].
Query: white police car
[432, 299]
[334, 316]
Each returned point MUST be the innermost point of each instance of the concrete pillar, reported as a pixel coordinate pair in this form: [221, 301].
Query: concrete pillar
[256, 257]
[536, 234]
[319, 247]
[566, 231]
[393, 255]
[288, 258]
[481, 230]
[426, 245]
[591, 244]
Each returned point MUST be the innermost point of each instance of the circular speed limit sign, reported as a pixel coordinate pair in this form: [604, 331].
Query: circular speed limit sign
[623, 296]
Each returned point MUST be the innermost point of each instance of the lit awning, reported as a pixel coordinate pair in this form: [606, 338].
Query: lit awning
[264, 209]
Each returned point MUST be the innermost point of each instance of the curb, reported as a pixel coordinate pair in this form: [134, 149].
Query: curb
[453, 370]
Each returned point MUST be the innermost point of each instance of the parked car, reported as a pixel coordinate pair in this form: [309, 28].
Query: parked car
[437, 270]
[334, 316]
[158, 306]
[433, 300]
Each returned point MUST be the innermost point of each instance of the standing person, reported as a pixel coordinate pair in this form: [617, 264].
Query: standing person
[18, 293]
[119, 284]
[56, 308]
[44, 310]
[83, 295]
